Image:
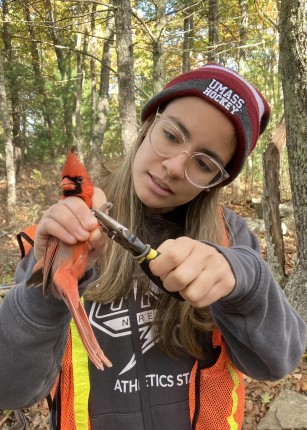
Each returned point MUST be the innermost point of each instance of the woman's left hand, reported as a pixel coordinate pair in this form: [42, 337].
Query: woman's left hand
[197, 271]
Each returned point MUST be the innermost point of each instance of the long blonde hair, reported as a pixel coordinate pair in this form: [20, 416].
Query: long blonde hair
[177, 324]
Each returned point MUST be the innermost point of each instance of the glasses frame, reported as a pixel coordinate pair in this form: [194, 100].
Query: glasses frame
[225, 175]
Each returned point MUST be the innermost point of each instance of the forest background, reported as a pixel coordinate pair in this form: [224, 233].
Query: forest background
[77, 73]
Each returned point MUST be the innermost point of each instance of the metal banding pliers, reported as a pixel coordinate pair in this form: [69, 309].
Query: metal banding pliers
[142, 253]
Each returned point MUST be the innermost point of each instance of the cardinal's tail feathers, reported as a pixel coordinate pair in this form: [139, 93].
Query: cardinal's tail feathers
[87, 336]
[67, 286]
[41, 273]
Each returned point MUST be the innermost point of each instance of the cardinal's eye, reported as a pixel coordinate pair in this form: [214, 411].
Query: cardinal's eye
[79, 179]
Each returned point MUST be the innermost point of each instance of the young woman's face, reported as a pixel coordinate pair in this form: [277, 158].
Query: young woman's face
[160, 183]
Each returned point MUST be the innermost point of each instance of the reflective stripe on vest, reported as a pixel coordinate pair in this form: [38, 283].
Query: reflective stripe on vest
[216, 393]
[234, 395]
[81, 380]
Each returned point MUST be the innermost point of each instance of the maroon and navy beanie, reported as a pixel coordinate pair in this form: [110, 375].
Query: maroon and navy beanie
[241, 102]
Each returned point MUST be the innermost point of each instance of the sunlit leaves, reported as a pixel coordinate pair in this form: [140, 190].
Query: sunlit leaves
[260, 50]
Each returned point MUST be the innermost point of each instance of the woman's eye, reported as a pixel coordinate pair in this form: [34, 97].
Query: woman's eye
[171, 137]
[203, 164]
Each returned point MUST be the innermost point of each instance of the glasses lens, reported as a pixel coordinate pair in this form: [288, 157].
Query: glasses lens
[202, 170]
[166, 139]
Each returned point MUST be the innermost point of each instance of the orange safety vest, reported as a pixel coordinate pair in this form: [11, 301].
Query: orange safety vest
[216, 393]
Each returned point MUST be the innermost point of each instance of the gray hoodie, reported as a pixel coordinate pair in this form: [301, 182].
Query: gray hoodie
[264, 335]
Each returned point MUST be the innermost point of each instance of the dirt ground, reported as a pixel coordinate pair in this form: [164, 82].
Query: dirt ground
[36, 190]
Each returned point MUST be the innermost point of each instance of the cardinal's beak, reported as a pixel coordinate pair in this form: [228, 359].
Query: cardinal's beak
[67, 184]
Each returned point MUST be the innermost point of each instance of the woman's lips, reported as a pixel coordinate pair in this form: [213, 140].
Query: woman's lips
[158, 186]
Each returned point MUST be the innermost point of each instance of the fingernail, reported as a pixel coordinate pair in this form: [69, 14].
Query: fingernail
[82, 233]
[71, 239]
[91, 221]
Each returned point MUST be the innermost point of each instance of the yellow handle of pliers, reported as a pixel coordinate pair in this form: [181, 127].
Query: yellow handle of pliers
[144, 263]
[150, 256]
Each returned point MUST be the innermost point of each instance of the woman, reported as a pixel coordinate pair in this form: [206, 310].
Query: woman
[196, 135]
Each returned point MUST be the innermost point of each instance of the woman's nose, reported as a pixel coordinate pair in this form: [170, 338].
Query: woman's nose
[175, 166]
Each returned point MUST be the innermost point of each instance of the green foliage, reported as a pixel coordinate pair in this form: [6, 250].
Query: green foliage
[266, 398]
[47, 99]
[112, 147]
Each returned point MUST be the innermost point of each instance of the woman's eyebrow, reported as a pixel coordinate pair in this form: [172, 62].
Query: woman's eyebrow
[180, 125]
[187, 134]
[213, 155]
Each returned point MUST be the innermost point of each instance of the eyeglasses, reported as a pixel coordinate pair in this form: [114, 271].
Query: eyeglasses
[168, 141]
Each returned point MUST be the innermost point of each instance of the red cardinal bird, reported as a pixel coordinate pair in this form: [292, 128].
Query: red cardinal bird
[63, 265]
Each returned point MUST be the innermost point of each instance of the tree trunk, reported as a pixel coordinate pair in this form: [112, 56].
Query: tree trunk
[8, 143]
[243, 35]
[124, 48]
[55, 37]
[63, 66]
[79, 85]
[158, 47]
[213, 22]
[36, 64]
[13, 81]
[93, 51]
[271, 202]
[293, 54]
[186, 45]
[236, 184]
[101, 109]
[103, 94]
[188, 37]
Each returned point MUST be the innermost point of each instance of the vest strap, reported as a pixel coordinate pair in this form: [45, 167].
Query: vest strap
[144, 396]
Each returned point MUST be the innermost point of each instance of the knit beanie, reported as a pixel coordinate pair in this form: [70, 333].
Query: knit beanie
[242, 103]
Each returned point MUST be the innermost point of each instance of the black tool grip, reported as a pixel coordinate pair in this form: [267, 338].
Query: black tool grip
[156, 280]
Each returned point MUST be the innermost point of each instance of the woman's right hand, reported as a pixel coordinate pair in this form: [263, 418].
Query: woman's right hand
[70, 220]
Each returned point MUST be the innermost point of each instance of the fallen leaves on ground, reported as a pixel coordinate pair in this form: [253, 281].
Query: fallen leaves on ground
[260, 394]
[34, 418]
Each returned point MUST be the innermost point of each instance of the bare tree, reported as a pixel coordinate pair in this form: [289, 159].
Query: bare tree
[13, 82]
[124, 49]
[188, 35]
[8, 142]
[213, 22]
[80, 76]
[63, 62]
[102, 106]
[100, 99]
[157, 40]
[243, 35]
[93, 51]
[271, 202]
[236, 184]
[158, 46]
[293, 65]
[37, 70]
